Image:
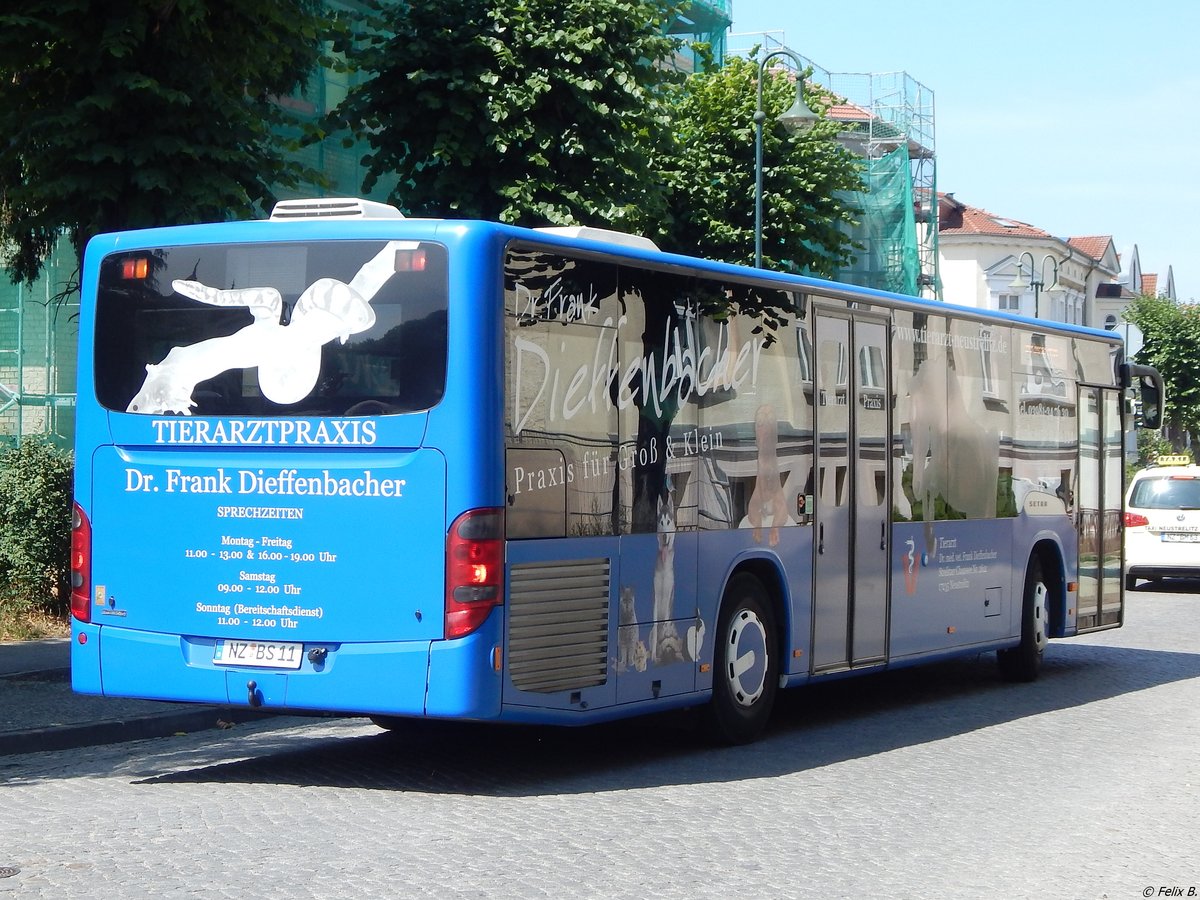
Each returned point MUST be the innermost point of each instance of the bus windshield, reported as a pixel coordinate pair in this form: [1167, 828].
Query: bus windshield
[335, 328]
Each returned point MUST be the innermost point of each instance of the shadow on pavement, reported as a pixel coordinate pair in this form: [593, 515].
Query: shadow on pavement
[813, 727]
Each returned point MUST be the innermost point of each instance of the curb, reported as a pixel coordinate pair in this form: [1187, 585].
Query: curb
[63, 674]
[115, 731]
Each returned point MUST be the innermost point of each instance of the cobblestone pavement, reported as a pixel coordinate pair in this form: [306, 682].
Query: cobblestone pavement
[932, 782]
[39, 711]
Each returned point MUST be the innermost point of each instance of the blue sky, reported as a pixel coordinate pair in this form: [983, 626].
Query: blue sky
[1080, 118]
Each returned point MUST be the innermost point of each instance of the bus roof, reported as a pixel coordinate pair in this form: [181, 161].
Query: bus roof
[355, 218]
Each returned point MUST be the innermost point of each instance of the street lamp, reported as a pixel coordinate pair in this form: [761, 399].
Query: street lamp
[799, 117]
[1035, 282]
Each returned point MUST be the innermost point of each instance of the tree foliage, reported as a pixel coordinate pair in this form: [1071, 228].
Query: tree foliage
[530, 111]
[144, 112]
[35, 527]
[712, 174]
[1172, 334]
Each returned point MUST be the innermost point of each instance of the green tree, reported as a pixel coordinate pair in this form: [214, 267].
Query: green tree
[1172, 334]
[35, 528]
[145, 112]
[712, 172]
[530, 111]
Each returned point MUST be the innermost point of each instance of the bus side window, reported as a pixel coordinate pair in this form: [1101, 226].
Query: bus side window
[536, 492]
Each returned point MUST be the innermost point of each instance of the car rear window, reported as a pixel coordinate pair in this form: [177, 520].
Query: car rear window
[1166, 492]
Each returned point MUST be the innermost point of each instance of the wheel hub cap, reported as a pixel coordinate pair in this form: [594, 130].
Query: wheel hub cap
[746, 667]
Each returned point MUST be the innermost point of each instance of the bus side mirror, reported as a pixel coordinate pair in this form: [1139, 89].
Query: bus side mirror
[1152, 403]
[1150, 393]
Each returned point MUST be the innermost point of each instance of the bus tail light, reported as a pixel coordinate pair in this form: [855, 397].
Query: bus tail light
[474, 570]
[410, 260]
[1134, 520]
[81, 565]
[135, 268]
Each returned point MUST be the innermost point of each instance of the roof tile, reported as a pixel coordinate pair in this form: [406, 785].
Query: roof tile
[1094, 246]
[957, 217]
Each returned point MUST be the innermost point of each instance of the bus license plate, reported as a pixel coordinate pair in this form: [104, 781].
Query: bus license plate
[1181, 537]
[259, 654]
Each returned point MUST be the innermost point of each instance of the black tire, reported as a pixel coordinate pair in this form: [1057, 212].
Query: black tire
[1024, 661]
[745, 663]
[1131, 582]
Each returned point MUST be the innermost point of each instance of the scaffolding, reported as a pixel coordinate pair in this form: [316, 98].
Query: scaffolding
[705, 21]
[887, 120]
[38, 335]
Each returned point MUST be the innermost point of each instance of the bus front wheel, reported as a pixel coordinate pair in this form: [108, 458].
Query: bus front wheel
[745, 663]
[1024, 661]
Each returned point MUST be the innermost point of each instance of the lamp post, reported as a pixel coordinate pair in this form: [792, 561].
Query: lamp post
[799, 116]
[1035, 282]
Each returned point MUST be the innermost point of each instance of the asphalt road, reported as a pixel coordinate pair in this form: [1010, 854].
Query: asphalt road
[940, 781]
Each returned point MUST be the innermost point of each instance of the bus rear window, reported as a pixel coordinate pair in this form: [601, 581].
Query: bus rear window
[332, 328]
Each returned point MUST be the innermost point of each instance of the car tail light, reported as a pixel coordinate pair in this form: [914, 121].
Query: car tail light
[81, 565]
[474, 570]
[1133, 520]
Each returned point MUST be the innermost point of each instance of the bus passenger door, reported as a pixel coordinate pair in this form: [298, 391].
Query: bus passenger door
[850, 605]
[1098, 509]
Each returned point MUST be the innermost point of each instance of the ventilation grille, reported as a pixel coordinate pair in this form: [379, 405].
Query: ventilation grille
[558, 625]
[334, 208]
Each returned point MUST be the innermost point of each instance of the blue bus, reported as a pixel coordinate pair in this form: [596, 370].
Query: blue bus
[341, 460]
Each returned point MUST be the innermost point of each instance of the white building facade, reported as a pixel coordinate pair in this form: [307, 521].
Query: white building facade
[992, 262]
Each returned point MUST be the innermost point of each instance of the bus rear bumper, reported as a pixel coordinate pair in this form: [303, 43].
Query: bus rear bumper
[399, 678]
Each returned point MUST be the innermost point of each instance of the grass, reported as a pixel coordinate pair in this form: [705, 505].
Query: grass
[25, 619]
[31, 626]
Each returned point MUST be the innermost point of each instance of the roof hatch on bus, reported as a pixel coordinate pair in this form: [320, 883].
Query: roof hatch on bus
[608, 236]
[333, 208]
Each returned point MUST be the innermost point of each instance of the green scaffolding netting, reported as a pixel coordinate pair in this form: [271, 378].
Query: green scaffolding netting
[889, 258]
[38, 334]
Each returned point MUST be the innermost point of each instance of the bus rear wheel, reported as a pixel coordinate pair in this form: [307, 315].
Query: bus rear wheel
[745, 663]
[1024, 661]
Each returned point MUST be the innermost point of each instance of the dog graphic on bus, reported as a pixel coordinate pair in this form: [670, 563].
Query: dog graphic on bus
[664, 638]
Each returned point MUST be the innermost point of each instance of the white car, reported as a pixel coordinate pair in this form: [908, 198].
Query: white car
[1162, 522]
